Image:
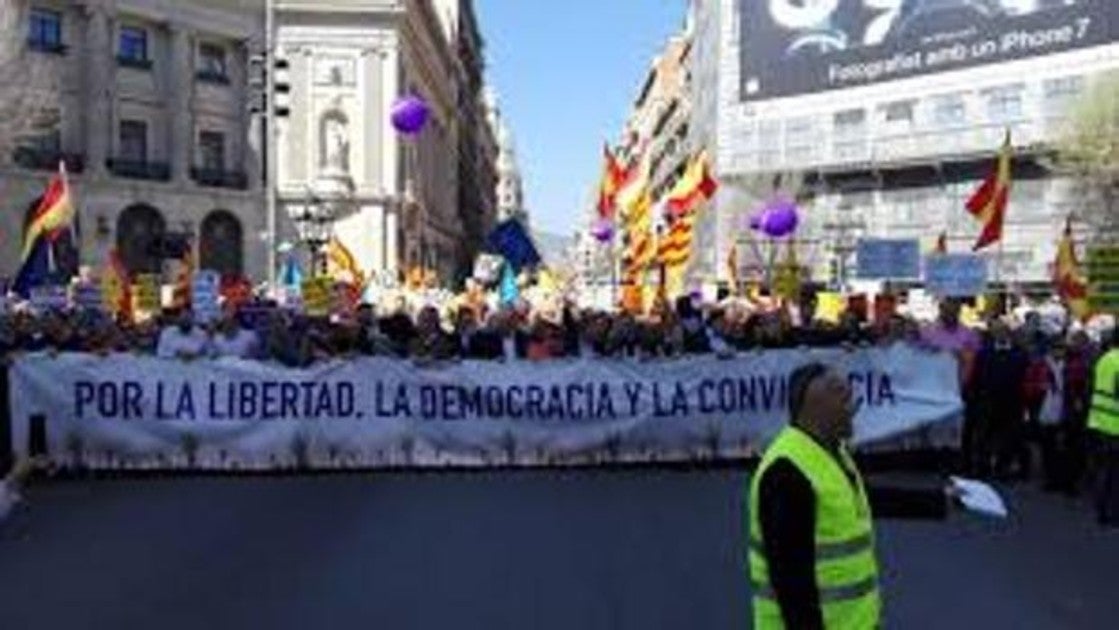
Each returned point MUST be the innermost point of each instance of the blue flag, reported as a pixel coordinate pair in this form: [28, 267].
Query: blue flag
[292, 276]
[509, 291]
[514, 244]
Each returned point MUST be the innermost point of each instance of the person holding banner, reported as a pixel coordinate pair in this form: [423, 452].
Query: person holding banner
[184, 340]
[811, 550]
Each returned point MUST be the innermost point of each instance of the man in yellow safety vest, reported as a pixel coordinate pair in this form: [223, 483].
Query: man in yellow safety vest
[811, 548]
[1103, 421]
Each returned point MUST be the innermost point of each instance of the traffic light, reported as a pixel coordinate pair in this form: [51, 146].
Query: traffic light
[259, 95]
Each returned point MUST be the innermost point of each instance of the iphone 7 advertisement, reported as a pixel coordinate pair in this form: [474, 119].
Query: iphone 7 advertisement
[792, 47]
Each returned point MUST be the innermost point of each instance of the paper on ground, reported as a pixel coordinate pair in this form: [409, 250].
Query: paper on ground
[980, 497]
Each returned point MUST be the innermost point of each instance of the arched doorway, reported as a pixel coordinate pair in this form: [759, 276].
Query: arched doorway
[140, 233]
[222, 245]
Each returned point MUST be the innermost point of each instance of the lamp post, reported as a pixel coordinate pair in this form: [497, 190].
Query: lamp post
[314, 224]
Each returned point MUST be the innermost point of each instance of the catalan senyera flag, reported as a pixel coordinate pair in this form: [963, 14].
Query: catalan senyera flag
[1072, 287]
[696, 186]
[116, 286]
[614, 176]
[181, 298]
[635, 202]
[54, 214]
[988, 204]
[674, 251]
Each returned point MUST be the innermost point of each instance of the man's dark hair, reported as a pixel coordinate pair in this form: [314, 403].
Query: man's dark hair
[799, 382]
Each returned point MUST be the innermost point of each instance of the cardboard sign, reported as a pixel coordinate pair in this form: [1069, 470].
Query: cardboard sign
[318, 296]
[146, 293]
[889, 259]
[956, 275]
[1103, 279]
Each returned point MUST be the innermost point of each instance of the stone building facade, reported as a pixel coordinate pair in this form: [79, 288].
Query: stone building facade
[145, 104]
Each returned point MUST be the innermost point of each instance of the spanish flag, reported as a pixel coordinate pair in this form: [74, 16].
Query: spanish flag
[54, 214]
[1071, 285]
[614, 176]
[343, 267]
[696, 186]
[988, 204]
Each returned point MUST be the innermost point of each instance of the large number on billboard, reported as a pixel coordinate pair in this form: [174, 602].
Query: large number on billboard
[793, 47]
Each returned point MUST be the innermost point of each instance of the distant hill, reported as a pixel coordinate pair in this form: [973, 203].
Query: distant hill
[553, 247]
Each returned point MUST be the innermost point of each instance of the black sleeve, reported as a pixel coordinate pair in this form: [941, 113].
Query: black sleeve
[907, 503]
[787, 514]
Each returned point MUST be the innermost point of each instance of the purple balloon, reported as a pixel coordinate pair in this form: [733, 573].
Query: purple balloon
[602, 230]
[409, 114]
[778, 218]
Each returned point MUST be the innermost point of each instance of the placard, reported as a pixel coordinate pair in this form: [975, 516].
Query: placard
[146, 293]
[205, 293]
[318, 296]
[955, 275]
[1103, 279]
[889, 259]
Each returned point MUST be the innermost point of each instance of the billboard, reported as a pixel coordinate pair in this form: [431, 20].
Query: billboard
[791, 47]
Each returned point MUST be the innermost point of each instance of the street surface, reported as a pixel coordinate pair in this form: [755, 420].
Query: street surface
[543, 550]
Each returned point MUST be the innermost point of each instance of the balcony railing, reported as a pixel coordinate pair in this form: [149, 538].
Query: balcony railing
[50, 48]
[134, 63]
[40, 160]
[135, 169]
[212, 76]
[213, 178]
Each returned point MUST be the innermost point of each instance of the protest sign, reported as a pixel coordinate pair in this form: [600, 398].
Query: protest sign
[889, 259]
[205, 296]
[955, 275]
[318, 296]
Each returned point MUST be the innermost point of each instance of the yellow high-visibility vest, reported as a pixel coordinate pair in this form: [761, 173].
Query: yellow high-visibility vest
[1104, 415]
[846, 567]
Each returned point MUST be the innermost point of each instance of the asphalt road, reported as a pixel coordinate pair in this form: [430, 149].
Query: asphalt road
[542, 550]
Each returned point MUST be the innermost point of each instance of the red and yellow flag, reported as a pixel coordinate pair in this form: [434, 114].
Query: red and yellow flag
[54, 213]
[614, 176]
[674, 251]
[1071, 285]
[696, 186]
[988, 204]
[181, 298]
[343, 268]
[116, 287]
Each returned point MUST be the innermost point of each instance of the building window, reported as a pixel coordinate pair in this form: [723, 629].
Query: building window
[211, 146]
[949, 111]
[45, 31]
[133, 48]
[1004, 103]
[134, 141]
[898, 112]
[1060, 93]
[850, 134]
[212, 63]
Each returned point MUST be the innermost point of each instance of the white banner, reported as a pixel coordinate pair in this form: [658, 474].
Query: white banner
[138, 412]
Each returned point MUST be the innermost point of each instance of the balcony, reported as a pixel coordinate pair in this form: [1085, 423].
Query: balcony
[135, 169]
[213, 178]
[40, 160]
[46, 47]
[212, 77]
[134, 62]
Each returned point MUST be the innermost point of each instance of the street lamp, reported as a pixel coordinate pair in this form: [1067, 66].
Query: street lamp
[314, 224]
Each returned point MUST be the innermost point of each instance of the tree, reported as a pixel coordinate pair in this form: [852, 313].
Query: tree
[1087, 151]
[24, 99]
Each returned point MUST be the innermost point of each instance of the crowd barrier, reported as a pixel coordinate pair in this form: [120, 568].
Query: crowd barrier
[125, 412]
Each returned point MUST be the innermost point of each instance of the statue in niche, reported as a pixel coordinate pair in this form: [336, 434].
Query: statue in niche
[335, 143]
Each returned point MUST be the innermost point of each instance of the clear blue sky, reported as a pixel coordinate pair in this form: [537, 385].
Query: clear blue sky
[566, 72]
